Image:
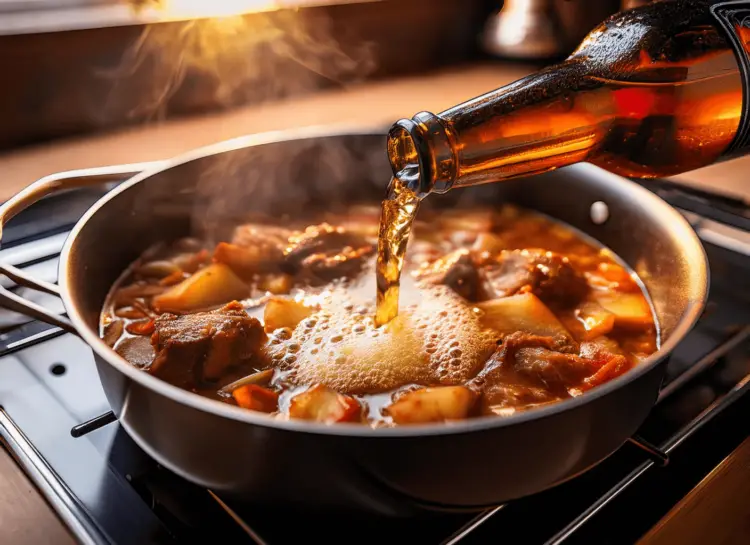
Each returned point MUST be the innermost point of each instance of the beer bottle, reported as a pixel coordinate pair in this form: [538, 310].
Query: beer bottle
[653, 91]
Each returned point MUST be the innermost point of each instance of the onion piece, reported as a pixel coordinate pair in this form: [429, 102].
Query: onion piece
[261, 378]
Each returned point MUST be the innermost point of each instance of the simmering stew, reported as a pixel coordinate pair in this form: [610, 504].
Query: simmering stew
[502, 310]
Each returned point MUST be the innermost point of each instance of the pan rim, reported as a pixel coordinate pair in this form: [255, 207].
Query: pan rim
[692, 247]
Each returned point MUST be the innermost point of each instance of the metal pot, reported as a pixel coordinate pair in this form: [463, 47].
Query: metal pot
[399, 471]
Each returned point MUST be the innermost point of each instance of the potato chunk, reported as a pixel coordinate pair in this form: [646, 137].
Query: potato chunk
[594, 320]
[432, 405]
[277, 284]
[631, 310]
[456, 270]
[322, 404]
[524, 312]
[211, 286]
[281, 312]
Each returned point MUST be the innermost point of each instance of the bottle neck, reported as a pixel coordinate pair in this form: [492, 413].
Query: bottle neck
[518, 130]
[422, 154]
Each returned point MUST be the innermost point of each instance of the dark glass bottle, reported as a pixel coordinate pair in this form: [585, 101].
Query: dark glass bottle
[653, 91]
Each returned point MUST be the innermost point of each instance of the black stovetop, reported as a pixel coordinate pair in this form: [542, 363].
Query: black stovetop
[109, 491]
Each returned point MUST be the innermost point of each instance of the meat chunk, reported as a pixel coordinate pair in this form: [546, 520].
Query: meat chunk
[530, 369]
[555, 370]
[503, 397]
[456, 270]
[322, 253]
[254, 249]
[200, 348]
[601, 347]
[247, 261]
[610, 359]
[502, 387]
[548, 275]
[503, 360]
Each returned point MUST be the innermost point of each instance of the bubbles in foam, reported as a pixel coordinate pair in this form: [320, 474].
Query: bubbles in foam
[309, 323]
[437, 340]
[283, 333]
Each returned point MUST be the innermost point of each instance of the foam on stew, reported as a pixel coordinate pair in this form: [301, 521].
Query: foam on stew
[436, 340]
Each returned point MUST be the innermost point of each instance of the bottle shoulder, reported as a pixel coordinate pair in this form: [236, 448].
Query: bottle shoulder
[659, 42]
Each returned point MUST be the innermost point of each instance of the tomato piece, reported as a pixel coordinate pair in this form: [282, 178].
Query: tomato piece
[256, 398]
[322, 404]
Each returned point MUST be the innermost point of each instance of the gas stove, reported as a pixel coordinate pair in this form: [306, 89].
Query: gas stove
[55, 421]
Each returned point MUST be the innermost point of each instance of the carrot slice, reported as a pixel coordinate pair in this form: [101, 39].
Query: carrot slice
[256, 398]
[613, 368]
[141, 327]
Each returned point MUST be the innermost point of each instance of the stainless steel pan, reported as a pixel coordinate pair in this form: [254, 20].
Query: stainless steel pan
[398, 471]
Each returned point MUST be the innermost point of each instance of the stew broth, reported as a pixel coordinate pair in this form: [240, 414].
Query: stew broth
[502, 310]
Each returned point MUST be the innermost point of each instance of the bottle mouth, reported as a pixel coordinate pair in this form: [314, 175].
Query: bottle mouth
[421, 154]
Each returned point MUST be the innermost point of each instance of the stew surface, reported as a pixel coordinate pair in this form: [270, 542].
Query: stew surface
[501, 311]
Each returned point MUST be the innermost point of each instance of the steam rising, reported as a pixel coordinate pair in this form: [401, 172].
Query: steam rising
[232, 60]
[285, 182]
[239, 59]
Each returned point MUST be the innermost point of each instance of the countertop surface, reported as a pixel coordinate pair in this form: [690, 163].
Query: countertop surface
[24, 517]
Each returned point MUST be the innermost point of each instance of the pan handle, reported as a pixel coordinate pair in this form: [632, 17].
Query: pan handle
[54, 183]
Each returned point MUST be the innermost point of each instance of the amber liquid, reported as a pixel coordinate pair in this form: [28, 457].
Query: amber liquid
[396, 217]
[661, 121]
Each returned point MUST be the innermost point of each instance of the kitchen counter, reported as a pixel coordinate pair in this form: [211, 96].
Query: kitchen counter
[24, 518]
[715, 511]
